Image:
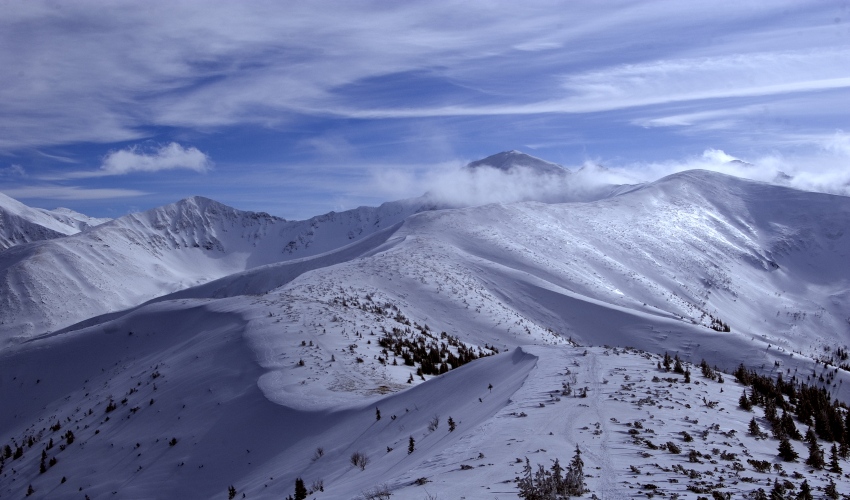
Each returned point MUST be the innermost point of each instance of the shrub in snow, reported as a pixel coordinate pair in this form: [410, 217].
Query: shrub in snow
[380, 492]
[434, 423]
[359, 460]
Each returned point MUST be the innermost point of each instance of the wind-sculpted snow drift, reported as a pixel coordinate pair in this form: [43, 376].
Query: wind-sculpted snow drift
[290, 361]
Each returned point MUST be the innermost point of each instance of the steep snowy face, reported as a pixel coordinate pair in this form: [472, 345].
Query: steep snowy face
[22, 224]
[513, 160]
[122, 263]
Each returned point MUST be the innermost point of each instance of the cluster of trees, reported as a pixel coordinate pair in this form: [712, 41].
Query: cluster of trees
[433, 355]
[718, 325]
[555, 483]
[826, 418]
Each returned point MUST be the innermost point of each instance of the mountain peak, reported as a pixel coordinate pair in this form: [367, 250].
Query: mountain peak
[511, 160]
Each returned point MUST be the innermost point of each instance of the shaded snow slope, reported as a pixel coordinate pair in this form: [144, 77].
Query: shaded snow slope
[122, 263]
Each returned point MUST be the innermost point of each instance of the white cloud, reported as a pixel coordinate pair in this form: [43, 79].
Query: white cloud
[168, 157]
[717, 156]
[838, 143]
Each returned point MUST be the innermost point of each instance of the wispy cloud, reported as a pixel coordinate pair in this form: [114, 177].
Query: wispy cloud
[70, 193]
[13, 170]
[224, 63]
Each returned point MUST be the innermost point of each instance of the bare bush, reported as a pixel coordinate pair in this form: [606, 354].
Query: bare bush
[379, 492]
[359, 460]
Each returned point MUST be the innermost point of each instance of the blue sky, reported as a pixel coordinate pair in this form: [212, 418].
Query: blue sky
[299, 108]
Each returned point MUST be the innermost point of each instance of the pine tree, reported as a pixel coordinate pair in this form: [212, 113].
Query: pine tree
[805, 492]
[754, 428]
[574, 480]
[525, 482]
[667, 361]
[786, 451]
[451, 423]
[30, 490]
[231, 492]
[744, 402]
[788, 426]
[815, 455]
[557, 478]
[411, 445]
[300, 490]
[778, 491]
[377, 414]
[834, 466]
[831, 491]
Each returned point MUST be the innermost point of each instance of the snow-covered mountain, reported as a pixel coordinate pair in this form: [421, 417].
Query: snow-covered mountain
[75, 219]
[22, 224]
[271, 350]
[52, 284]
[513, 160]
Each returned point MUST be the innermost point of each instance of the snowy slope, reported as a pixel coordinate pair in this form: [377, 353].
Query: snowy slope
[75, 219]
[51, 284]
[22, 224]
[186, 372]
[654, 268]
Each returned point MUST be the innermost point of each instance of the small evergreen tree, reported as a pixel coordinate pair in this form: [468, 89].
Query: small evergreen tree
[574, 480]
[834, 466]
[744, 402]
[451, 423]
[231, 492]
[525, 482]
[667, 361]
[300, 490]
[815, 455]
[805, 492]
[831, 491]
[786, 451]
[778, 491]
[377, 414]
[411, 445]
[30, 490]
[788, 426]
[754, 428]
